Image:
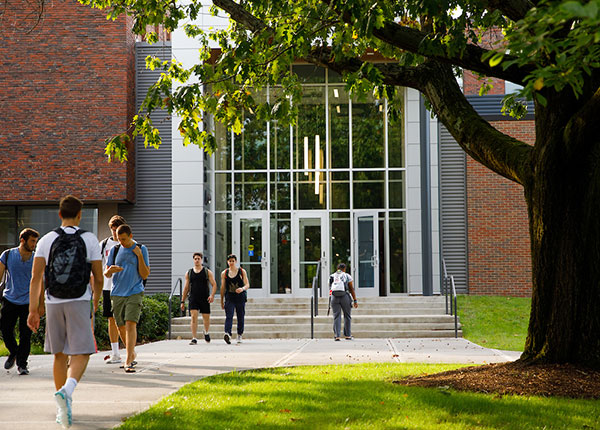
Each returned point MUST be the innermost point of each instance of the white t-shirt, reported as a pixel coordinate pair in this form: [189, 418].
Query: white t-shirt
[110, 243]
[93, 254]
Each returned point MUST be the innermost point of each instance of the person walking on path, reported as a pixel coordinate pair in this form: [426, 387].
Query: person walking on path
[234, 287]
[196, 285]
[113, 332]
[65, 258]
[16, 264]
[341, 288]
[130, 265]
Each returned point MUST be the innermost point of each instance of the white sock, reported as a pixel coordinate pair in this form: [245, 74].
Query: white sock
[69, 386]
[204, 332]
[115, 348]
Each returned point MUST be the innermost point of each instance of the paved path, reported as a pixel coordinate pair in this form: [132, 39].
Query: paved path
[106, 395]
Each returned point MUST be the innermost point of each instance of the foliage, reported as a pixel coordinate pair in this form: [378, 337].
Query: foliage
[353, 397]
[495, 321]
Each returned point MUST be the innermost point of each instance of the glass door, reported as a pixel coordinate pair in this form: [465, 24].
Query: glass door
[309, 247]
[251, 245]
[366, 254]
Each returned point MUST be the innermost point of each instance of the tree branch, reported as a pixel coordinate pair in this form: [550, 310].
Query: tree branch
[513, 9]
[410, 39]
[497, 151]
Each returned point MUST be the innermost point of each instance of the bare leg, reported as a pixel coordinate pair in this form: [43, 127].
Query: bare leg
[113, 331]
[130, 339]
[194, 323]
[206, 320]
[61, 365]
[77, 366]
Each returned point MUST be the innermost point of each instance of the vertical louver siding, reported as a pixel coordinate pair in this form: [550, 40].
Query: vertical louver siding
[150, 216]
[453, 188]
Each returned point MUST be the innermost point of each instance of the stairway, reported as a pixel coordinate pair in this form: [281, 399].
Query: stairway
[376, 317]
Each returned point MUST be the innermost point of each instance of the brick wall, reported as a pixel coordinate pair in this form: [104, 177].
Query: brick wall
[498, 230]
[66, 84]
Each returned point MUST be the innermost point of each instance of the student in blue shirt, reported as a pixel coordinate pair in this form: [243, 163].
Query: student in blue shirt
[128, 264]
[17, 263]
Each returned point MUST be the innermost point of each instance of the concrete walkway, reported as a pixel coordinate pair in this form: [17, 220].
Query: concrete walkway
[107, 395]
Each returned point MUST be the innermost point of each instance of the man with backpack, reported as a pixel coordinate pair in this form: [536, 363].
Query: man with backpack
[130, 265]
[65, 257]
[113, 332]
[196, 284]
[341, 288]
[16, 264]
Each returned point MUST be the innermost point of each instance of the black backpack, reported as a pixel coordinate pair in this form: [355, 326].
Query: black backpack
[68, 272]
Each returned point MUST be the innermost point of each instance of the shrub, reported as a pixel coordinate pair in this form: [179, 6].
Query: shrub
[154, 320]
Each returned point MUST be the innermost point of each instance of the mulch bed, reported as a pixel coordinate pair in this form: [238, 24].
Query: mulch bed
[561, 380]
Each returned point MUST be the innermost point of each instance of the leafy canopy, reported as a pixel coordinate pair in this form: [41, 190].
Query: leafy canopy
[545, 46]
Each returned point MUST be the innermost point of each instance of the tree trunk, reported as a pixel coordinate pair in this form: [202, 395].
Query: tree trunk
[564, 220]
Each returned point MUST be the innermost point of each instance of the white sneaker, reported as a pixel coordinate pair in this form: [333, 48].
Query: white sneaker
[115, 359]
[239, 338]
[63, 403]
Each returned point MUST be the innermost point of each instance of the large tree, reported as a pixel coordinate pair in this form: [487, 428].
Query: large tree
[549, 47]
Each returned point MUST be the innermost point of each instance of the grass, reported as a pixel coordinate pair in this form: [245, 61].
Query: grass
[495, 321]
[35, 349]
[353, 397]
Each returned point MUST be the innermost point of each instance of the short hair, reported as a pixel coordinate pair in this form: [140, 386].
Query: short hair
[69, 206]
[116, 221]
[341, 266]
[124, 228]
[230, 256]
[199, 254]
[26, 233]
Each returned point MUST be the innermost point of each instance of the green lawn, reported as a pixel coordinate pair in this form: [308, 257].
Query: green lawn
[359, 396]
[35, 349]
[495, 321]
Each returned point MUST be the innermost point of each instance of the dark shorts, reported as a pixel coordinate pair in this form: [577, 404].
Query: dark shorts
[200, 303]
[106, 304]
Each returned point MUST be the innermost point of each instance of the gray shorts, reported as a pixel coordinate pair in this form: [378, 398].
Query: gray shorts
[69, 328]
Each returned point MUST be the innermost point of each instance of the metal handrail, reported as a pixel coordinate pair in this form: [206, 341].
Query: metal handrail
[314, 300]
[445, 284]
[455, 306]
[180, 283]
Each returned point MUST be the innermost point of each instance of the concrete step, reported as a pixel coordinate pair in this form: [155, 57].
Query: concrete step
[292, 320]
[328, 334]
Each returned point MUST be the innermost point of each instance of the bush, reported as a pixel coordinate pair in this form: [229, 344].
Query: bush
[153, 324]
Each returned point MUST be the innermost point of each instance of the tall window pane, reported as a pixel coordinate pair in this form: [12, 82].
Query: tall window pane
[250, 147]
[223, 151]
[397, 263]
[309, 191]
[280, 191]
[368, 190]
[396, 142]
[279, 135]
[309, 133]
[223, 191]
[250, 191]
[281, 253]
[339, 127]
[340, 190]
[396, 184]
[8, 228]
[367, 133]
[223, 241]
[340, 240]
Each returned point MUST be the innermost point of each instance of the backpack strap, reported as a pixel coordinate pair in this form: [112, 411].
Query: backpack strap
[116, 247]
[104, 242]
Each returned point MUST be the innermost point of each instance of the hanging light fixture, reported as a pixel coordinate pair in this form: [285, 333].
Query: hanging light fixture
[306, 156]
[317, 162]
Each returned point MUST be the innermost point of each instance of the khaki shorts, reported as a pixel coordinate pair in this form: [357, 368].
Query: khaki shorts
[127, 308]
[69, 328]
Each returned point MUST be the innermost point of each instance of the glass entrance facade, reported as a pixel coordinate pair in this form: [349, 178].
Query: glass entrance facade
[331, 188]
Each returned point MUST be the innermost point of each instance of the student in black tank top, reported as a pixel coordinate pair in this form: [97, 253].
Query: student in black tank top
[196, 285]
[234, 284]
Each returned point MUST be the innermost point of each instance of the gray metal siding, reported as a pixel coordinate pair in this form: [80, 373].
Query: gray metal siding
[490, 108]
[453, 190]
[151, 215]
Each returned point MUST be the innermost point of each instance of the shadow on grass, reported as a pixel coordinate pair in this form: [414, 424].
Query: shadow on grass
[326, 398]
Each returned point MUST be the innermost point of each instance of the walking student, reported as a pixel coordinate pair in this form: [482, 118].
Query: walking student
[16, 264]
[341, 288]
[196, 284]
[65, 258]
[234, 284]
[113, 332]
[128, 265]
